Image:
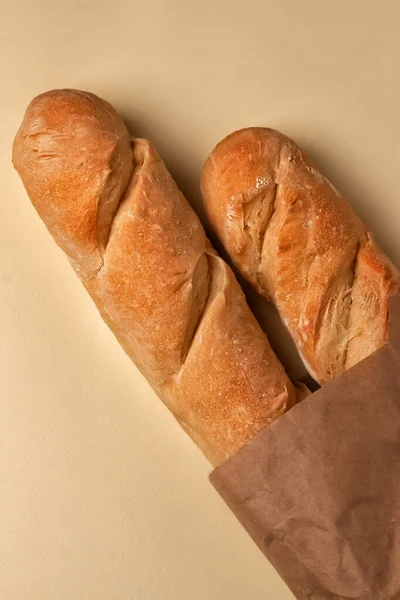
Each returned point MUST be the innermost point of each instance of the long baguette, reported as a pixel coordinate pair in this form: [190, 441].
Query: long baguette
[141, 252]
[301, 245]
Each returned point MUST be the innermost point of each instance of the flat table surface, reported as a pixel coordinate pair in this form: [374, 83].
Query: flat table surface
[102, 496]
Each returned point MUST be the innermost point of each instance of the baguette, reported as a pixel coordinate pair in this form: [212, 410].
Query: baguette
[142, 254]
[300, 244]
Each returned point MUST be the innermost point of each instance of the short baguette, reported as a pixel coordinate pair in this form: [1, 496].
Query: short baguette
[300, 244]
[140, 250]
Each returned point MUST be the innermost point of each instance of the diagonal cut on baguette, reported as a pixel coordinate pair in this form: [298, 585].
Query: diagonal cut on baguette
[142, 254]
[300, 244]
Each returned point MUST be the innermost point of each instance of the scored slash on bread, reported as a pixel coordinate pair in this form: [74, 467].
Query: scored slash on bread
[300, 244]
[142, 254]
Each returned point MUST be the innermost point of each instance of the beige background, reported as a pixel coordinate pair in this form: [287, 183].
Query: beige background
[101, 495]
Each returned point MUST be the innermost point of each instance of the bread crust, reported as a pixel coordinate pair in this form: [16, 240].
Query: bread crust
[140, 250]
[300, 244]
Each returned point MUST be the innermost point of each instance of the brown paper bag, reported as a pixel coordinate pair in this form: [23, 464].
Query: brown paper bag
[319, 490]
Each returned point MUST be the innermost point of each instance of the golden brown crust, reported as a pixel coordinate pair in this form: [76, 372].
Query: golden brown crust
[300, 244]
[72, 145]
[142, 253]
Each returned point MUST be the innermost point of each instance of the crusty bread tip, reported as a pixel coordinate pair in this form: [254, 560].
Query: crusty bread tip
[301, 245]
